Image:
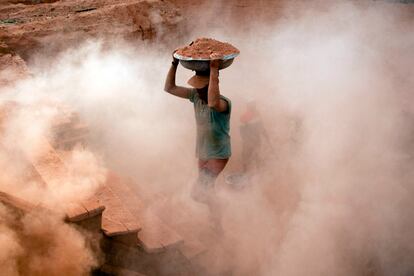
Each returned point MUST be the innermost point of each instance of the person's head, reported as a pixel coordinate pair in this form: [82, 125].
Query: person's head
[200, 82]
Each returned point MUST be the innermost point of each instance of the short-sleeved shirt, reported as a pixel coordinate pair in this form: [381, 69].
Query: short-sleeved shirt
[213, 127]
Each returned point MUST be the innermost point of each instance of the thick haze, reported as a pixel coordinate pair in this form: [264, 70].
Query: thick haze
[336, 199]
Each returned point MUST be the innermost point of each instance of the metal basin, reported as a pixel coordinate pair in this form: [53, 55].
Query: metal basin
[203, 65]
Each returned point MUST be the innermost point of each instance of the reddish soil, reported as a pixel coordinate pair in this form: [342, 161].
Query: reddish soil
[12, 68]
[204, 47]
[51, 26]
[63, 24]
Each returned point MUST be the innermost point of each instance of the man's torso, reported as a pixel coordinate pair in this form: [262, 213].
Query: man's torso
[213, 127]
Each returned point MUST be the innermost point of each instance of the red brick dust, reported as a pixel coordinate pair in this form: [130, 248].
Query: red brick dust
[202, 48]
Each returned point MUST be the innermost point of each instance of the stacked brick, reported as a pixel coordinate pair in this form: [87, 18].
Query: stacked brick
[130, 236]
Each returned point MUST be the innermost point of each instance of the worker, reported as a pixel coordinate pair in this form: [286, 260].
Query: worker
[251, 131]
[212, 116]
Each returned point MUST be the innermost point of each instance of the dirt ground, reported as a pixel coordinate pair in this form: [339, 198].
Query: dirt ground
[27, 27]
[58, 25]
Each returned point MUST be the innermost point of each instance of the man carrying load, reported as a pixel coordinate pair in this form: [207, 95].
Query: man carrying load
[212, 114]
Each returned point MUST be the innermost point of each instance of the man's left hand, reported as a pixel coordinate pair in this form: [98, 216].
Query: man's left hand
[215, 60]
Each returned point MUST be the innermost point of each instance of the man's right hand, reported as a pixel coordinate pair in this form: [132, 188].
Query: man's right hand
[170, 85]
[175, 60]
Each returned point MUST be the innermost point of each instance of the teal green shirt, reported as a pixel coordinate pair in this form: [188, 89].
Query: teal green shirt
[213, 127]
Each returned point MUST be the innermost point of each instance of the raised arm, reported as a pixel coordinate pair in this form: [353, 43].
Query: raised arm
[170, 85]
[214, 100]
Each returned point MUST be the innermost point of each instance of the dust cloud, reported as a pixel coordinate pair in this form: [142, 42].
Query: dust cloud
[39, 242]
[332, 83]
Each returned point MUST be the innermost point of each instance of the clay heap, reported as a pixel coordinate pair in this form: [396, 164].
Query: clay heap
[202, 48]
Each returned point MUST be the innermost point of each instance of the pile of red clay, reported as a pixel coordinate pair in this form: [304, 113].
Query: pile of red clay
[202, 48]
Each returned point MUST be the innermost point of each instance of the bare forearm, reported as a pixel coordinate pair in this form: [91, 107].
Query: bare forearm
[213, 89]
[170, 80]
[170, 85]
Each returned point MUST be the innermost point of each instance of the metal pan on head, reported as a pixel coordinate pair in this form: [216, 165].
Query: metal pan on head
[202, 65]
